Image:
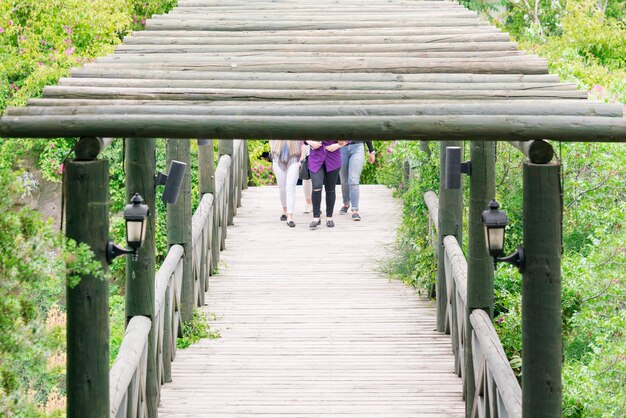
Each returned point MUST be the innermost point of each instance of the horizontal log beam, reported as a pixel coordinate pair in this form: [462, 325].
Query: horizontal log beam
[361, 65]
[405, 48]
[107, 72]
[338, 16]
[389, 31]
[201, 3]
[259, 94]
[184, 25]
[444, 127]
[512, 107]
[269, 40]
[357, 11]
[140, 56]
[308, 85]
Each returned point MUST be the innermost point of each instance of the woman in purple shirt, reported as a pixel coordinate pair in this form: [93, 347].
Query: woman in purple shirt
[324, 165]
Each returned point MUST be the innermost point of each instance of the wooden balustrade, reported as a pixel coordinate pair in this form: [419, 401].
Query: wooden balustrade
[128, 376]
[498, 393]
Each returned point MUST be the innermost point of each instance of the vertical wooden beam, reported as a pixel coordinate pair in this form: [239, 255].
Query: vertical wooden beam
[450, 223]
[140, 274]
[425, 147]
[86, 186]
[406, 174]
[206, 165]
[480, 288]
[179, 223]
[225, 147]
[246, 165]
[541, 292]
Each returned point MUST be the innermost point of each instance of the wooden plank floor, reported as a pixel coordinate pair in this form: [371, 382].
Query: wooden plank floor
[311, 327]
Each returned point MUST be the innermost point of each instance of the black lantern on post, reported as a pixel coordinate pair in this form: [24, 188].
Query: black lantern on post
[495, 222]
[136, 216]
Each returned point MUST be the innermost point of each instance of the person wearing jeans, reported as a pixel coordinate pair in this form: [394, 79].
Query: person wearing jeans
[324, 165]
[353, 158]
[286, 157]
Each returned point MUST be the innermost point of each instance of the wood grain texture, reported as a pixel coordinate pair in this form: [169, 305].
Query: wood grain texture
[310, 326]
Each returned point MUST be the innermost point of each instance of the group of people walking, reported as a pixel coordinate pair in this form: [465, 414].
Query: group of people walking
[327, 161]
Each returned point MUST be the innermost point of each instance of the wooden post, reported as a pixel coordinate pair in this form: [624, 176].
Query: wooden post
[179, 223]
[541, 292]
[425, 147]
[480, 289]
[406, 174]
[206, 165]
[86, 186]
[226, 148]
[246, 166]
[140, 274]
[450, 223]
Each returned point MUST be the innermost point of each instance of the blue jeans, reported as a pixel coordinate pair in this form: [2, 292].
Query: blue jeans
[352, 160]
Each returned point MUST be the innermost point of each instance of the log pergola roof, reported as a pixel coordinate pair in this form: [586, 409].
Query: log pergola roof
[317, 69]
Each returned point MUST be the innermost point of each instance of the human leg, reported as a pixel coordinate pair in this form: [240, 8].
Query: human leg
[307, 189]
[330, 184]
[290, 186]
[357, 159]
[343, 175]
[281, 180]
[317, 182]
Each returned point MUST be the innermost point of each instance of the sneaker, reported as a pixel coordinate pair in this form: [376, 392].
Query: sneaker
[356, 216]
[330, 223]
[343, 210]
[314, 224]
[308, 208]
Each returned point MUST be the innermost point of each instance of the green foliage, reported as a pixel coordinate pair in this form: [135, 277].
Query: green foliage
[195, 330]
[39, 42]
[413, 260]
[262, 173]
[35, 264]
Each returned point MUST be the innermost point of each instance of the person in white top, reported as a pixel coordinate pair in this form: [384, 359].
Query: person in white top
[286, 157]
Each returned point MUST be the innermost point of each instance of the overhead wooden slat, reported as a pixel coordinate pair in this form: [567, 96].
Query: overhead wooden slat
[116, 72]
[444, 127]
[228, 67]
[338, 48]
[311, 85]
[316, 108]
[131, 42]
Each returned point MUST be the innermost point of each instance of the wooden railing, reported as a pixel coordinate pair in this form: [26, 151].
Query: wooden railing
[128, 375]
[498, 394]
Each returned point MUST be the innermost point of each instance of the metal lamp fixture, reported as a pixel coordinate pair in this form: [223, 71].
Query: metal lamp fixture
[495, 222]
[136, 216]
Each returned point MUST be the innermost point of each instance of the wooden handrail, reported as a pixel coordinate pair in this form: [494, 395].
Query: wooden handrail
[128, 375]
[498, 394]
[491, 368]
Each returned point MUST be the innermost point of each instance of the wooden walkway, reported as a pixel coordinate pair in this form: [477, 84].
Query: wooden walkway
[311, 327]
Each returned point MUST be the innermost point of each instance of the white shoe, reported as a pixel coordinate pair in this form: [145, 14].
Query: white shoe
[308, 208]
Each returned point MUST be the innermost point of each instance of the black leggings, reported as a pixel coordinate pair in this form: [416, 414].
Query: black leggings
[328, 179]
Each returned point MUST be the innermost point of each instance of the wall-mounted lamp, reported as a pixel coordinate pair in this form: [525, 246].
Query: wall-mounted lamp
[495, 222]
[173, 181]
[454, 168]
[136, 216]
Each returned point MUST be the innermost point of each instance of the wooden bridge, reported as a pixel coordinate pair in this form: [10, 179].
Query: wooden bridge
[310, 326]
[299, 69]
